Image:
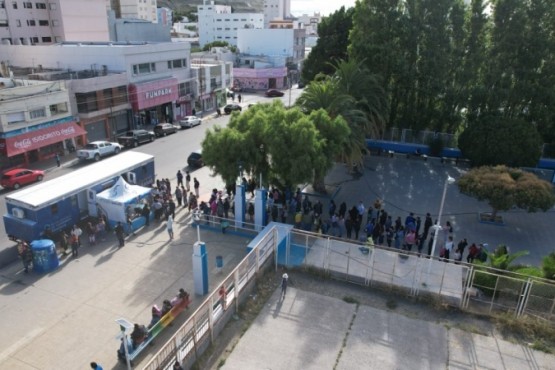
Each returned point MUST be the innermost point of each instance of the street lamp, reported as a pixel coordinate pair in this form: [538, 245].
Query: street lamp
[437, 227]
[261, 151]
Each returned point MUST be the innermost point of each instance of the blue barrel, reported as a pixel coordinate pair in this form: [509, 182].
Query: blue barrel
[45, 258]
[219, 262]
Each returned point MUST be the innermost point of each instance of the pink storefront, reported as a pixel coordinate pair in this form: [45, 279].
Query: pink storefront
[260, 79]
[152, 102]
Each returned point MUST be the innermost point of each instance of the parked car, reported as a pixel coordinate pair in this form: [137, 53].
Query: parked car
[14, 179]
[272, 93]
[135, 137]
[231, 108]
[97, 149]
[301, 84]
[162, 129]
[190, 121]
[195, 159]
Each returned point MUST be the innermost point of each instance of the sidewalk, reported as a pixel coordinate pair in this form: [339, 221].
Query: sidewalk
[312, 331]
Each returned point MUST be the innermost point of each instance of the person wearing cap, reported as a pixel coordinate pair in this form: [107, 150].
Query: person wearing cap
[284, 279]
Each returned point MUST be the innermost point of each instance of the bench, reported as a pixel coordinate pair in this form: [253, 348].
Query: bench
[157, 328]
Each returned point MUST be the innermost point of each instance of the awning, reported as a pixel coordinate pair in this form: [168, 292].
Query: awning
[38, 138]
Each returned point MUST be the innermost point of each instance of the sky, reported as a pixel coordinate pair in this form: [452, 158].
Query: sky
[325, 7]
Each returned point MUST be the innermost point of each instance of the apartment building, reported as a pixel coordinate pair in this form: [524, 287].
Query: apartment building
[139, 9]
[276, 10]
[42, 22]
[218, 23]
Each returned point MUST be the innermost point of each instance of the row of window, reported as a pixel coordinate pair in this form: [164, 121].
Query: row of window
[34, 40]
[95, 100]
[28, 5]
[229, 20]
[146, 68]
[36, 113]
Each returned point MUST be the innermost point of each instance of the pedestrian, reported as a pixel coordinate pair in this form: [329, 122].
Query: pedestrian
[284, 279]
[74, 245]
[188, 181]
[239, 97]
[448, 248]
[179, 178]
[120, 234]
[91, 232]
[177, 366]
[196, 185]
[171, 208]
[25, 254]
[178, 195]
[169, 226]
[96, 366]
[146, 214]
[76, 231]
[130, 226]
[58, 160]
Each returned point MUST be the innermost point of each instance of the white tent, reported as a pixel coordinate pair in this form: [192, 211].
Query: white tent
[121, 199]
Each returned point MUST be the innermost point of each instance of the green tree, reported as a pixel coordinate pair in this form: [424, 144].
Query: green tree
[215, 44]
[501, 258]
[285, 146]
[548, 266]
[333, 37]
[494, 140]
[504, 188]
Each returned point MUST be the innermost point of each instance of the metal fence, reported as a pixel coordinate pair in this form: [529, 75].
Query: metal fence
[474, 288]
[419, 137]
[196, 334]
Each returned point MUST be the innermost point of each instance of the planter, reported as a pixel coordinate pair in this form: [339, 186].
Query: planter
[485, 218]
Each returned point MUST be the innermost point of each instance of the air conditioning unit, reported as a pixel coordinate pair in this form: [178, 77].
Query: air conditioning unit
[18, 213]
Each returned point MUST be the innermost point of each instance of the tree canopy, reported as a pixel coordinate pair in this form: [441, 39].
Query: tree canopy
[504, 188]
[286, 146]
[494, 140]
[333, 39]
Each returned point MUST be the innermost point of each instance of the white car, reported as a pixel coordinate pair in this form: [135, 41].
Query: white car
[190, 121]
[98, 149]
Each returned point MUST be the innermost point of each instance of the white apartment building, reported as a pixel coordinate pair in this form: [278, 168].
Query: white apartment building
[217, 23]
[139, 9]
[213, 76]
[165, 16]
[310, 23]
[276, 10]
[46, 22]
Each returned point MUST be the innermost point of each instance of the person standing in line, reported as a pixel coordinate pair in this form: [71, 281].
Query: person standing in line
[96, 366]
[284, 279]
[178, 195]
[120, 234]
[146, 214]
[179, 178]
[25, 254]
[196, 185]
[188, 181]
[77, 232]
[448, 248]
[74, 245]
[169, 226]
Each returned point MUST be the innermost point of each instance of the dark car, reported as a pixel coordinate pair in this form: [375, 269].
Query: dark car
[231, 108]
[135, 137]
[14, 179]
[162, 129]
[195, 159]
[301, 84]
[272, 93]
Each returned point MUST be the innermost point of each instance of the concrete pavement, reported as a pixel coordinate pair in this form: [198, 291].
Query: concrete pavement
[312, 331]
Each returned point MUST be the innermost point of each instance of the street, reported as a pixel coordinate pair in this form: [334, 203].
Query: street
[170, 152]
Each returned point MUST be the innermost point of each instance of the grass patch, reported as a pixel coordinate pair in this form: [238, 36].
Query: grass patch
[539, 345]
[391, 304]
[350, 299]
[221, 363]
[528, 329]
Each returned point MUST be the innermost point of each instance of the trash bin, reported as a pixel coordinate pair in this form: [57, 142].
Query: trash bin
[219, 262]
[45, 258]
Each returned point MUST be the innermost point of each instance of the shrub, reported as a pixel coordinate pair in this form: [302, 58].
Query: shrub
[548, 266]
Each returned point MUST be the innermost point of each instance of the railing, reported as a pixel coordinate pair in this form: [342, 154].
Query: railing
[196, 334]
[474, 288]
[419, 137]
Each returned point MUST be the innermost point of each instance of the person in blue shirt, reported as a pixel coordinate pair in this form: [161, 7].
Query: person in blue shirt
[95, 366]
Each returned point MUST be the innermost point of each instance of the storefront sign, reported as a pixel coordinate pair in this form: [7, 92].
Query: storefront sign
[39, 138]
[152, 94]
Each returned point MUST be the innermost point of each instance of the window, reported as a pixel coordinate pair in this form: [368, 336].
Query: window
[37, 113]
[144, 68]
[108, 98]
[16, 117]
[59, 108]
[14, 4]
[28, 5]
[185, 88]
[47, 39]
[43, 23]
[40, 5]
[31, 22]
[34, 40]
[86, 102]
[18, 22]
[121, 95]
[2, 5]
[177, 63]
[3, 23]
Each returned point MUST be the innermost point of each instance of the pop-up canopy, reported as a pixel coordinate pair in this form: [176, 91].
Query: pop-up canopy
[121, 200]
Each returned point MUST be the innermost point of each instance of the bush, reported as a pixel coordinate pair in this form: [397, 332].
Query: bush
[529, 271]
[548, 266]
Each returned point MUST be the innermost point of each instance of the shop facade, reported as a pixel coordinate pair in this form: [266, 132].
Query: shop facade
[153, 102]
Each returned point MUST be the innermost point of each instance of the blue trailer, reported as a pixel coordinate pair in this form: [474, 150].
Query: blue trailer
[59, 203]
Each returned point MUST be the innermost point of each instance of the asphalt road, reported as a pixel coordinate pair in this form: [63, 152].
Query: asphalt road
[171, 154]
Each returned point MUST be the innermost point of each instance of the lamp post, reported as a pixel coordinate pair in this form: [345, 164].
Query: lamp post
[437, 227]
[261, 151]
